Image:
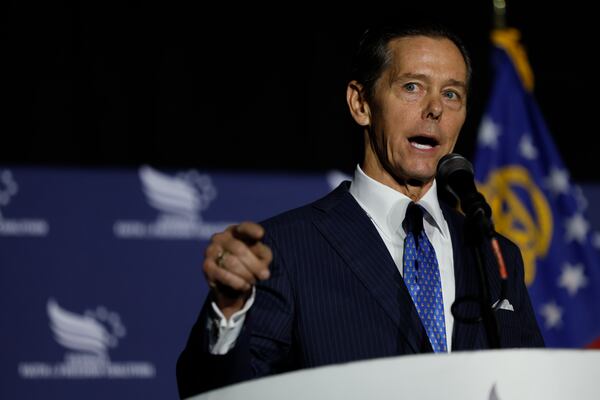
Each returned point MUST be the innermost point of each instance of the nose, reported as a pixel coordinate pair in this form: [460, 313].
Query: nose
[433, 108]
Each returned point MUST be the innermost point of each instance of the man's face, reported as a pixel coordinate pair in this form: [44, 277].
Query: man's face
[418, 109]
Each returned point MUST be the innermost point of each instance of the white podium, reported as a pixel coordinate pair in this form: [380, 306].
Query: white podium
[482, 375]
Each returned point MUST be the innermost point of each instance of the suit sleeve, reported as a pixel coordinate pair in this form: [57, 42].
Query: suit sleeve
[263, 347]
[198, 370]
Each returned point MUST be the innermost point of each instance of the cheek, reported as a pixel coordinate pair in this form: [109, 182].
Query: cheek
[454, 137]
[399, 121]
[453, 130]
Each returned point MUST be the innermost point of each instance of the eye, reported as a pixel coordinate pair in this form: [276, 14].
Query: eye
[451, 95]
[411, 86]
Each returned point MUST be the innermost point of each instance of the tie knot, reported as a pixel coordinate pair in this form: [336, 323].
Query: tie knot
[413, 220]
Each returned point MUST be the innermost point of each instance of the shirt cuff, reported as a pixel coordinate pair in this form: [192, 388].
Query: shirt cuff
[224, 332]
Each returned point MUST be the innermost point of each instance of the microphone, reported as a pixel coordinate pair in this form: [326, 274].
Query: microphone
[455, 175]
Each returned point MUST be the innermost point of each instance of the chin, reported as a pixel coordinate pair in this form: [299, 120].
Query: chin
[425, 173]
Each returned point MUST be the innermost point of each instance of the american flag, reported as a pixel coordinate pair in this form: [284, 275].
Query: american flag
[534, 202]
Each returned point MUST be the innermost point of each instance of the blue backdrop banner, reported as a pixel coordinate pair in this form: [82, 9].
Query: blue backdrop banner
[101, 276]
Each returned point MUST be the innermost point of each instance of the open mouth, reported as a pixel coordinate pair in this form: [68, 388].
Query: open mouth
[423, 142]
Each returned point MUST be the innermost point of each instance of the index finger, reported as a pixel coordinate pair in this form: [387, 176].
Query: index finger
[249, 232]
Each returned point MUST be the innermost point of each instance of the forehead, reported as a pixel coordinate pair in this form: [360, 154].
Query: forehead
[427, 55]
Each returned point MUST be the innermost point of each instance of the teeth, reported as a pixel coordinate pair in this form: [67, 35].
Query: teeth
[421, 146]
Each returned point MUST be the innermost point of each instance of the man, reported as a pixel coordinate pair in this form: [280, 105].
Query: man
[341, 279]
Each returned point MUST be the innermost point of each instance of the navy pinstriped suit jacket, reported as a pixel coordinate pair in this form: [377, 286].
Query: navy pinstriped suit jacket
[335, 295]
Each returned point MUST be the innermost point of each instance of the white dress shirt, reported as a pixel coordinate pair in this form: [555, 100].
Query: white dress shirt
[386, 208]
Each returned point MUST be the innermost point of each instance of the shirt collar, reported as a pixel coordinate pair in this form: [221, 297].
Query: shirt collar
[387, 207]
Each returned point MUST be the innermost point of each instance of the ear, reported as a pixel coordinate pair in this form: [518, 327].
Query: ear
[359, 108]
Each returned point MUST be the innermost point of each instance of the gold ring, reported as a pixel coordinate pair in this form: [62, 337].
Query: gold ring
[220, 260]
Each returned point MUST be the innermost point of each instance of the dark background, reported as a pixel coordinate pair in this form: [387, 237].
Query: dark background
[252, 87]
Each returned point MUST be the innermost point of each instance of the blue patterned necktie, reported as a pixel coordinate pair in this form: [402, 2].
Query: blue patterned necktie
[422, 277]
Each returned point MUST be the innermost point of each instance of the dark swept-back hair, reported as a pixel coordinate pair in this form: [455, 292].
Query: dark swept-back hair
[373, 55]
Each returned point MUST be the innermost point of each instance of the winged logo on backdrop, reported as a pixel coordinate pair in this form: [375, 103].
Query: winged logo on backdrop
[87, 338]
[179, 199]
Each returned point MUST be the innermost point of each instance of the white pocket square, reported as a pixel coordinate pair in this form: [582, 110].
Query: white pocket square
[504, 305]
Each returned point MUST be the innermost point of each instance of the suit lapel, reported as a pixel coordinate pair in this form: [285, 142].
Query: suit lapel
[466, 283]
[349, 230]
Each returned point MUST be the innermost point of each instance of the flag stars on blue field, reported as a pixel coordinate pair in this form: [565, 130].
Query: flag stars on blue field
[577, 228]
[564, 289]
[552, 314]
[488, 133]
[558, 181]
[526, 147]
[572, 278]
